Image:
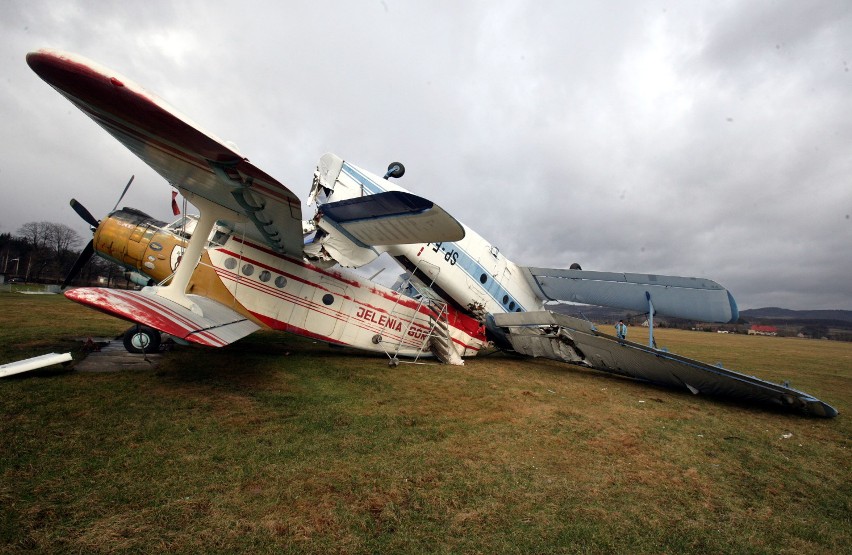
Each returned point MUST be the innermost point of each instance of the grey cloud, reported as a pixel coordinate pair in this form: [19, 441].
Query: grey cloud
[686, 139]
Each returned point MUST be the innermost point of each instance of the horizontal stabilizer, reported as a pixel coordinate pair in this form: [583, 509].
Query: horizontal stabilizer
[216, 326]
[680, 297]
[559, 337]
[393, 218]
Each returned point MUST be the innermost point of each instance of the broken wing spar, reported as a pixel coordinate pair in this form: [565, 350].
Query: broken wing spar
[559, 337]
[680, 297]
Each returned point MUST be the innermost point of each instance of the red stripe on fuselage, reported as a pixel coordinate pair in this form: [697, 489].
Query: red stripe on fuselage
[393, 296]
[324, 310]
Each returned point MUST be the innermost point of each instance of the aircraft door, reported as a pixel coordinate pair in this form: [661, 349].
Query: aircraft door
[330, 309]
[500, 269]
[493, 262]
[485, 283]
[429, 270]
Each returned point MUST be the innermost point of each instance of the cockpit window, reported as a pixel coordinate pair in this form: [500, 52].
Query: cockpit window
[220, 236]
[184, 226]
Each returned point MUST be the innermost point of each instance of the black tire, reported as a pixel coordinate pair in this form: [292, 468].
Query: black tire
[395, 170]
[142, 339]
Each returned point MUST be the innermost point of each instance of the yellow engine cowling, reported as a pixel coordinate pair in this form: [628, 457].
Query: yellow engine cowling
[139, 243]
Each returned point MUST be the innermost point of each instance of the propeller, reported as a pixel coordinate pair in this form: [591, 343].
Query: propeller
[89, 249]
[83, 213]
[81, 261]
[124, 192]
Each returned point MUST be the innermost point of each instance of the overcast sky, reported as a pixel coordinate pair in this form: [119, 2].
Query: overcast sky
[709, 139]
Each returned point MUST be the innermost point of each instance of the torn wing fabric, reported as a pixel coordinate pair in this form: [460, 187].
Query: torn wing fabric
[195, 162]
[680, 297]
[333, 247]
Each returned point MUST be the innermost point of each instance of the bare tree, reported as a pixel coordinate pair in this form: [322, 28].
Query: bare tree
[49, 248]
[61, 238]
[35, 234]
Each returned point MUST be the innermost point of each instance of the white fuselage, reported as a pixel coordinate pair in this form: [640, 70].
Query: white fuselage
[471, 271]
[332, 305]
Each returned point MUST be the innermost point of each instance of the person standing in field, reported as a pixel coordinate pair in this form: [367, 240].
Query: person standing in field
[621, 330]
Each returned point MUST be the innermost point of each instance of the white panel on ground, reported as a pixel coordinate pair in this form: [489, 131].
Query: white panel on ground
[33, 363]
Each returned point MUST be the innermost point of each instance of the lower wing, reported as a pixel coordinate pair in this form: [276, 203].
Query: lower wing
[560, 337]
[219, 326]
[393, 218]
[679, 297]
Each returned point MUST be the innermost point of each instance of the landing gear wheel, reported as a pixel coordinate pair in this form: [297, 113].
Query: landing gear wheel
[393, 362]
[395, 170]
[142, 339]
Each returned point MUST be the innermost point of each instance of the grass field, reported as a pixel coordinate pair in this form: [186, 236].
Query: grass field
[278, 444]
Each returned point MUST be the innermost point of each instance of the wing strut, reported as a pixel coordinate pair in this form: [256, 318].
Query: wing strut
[210, 212]
[650, 320]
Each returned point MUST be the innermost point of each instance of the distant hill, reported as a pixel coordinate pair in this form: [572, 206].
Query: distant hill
[769, 315]
[832, 324]
[775, 313]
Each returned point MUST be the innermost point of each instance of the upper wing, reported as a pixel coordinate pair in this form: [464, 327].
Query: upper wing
[680, 297]
[196, 162]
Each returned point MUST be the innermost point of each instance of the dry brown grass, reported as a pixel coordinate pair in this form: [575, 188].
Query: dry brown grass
[277, 444]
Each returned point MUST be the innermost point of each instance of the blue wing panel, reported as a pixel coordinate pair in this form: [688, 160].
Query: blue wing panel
[679, 297]
[381, 205]
[392, 218]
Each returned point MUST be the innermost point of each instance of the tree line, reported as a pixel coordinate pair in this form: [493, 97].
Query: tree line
[44, 252]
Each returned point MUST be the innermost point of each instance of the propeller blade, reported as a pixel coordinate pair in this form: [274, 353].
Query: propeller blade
[83, 213]
[126, 187]
[84, 257]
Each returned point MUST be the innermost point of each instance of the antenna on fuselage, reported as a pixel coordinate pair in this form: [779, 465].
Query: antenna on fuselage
[395, 170]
